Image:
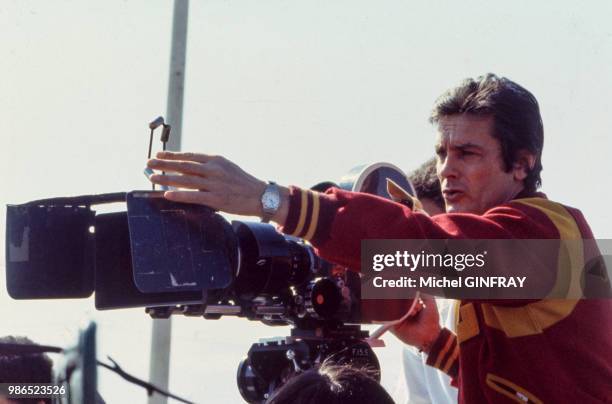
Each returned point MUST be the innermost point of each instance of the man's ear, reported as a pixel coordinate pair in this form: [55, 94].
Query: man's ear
[523, 165]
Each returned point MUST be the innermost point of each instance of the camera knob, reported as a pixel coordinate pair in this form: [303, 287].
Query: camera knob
[323, 299]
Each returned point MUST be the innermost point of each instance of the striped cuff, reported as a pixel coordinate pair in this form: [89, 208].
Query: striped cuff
[444, 353]
[310, 215]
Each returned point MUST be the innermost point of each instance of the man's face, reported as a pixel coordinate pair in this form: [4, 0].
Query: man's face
[470, 166]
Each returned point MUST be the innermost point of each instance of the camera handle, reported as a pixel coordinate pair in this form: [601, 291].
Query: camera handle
[157, 122]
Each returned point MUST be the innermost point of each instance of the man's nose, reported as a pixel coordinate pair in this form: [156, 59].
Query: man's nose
[447, 168]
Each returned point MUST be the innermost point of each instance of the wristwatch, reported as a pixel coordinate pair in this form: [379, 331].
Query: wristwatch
[270, 201]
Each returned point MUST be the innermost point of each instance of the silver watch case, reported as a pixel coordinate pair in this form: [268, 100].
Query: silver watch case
[270, 201]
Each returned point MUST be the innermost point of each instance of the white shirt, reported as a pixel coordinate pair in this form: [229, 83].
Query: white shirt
[423, 384]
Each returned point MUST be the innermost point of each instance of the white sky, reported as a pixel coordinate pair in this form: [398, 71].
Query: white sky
[298, 92]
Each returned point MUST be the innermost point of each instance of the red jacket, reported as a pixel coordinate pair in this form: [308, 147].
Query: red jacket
[551, 351]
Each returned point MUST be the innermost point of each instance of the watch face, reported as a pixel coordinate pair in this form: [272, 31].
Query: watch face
[270, 200]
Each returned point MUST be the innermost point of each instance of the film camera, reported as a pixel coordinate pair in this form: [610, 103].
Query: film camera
[186, 259]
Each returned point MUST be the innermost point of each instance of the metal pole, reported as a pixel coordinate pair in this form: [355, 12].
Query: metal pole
[161, 333]
[176, 82]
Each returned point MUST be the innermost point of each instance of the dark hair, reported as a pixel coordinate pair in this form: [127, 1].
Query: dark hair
[517, 123]
[426, 183]
[28, 368]
[331, 384]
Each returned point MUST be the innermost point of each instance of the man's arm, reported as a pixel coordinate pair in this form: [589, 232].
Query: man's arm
[337, 221]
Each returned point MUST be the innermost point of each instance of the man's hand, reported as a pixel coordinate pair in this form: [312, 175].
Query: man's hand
[422, 329]
[213, 181]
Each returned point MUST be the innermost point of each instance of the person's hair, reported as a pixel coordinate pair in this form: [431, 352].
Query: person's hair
[517, 123]
[25, 368]
[331, 384]
[426, 183]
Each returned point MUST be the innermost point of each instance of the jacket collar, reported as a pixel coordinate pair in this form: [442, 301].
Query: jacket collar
[526, 194]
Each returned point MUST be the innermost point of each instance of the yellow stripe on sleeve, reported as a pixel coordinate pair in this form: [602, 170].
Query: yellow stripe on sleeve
[314, 219]
[444, 350]
[303, 210]
[452, 359]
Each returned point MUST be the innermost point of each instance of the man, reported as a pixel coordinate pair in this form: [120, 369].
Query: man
[489, 146]
[427, 187]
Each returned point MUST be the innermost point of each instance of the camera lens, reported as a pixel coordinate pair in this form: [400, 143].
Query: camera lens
[252, 388]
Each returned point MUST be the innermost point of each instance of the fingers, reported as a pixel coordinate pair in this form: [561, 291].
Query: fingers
[179, 166]
[181, 181]
[220, 184]
[186, 156]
